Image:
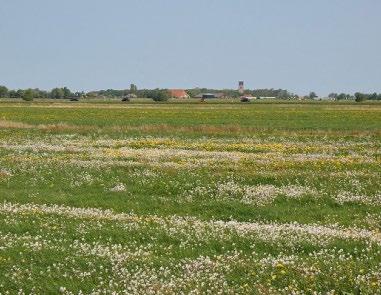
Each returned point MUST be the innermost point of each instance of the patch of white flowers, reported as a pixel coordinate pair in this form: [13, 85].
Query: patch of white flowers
[120, 187]
[350, 197]
[176, 154]
[190, 227]
[92, 251]
[260, 195]
[4, 172]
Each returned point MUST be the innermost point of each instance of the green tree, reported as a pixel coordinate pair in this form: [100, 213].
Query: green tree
[283, 94]
[79, 94]
[3, 91]
[373, 96]
[133, 88]
[28, 95]
[333, 95]
[66, 92]
[342, 96]
[57, 93]
[159, 94]
[360, 97]
[312, 95]
[20, 93]
[41, 93]
[12, 93]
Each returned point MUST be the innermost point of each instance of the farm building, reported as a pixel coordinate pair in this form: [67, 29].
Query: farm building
[178, 93]
[266, 97]
[206, 95]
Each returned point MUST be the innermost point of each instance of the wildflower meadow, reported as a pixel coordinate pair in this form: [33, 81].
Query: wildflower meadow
[190, 198]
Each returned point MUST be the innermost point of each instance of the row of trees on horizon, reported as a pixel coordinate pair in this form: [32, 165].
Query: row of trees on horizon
[162, 94]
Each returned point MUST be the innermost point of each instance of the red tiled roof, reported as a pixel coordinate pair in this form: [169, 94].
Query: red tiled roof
[178, 93]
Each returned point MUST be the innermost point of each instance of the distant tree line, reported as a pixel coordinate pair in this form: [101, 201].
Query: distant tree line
[341, 96]
[363, 96]
[162, 94]
[155, 94]
[358, 96]
[31, 93]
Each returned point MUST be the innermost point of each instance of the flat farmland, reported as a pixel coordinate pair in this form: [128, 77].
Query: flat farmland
[190, 198]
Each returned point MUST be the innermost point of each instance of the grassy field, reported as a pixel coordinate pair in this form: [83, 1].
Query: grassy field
[190, 198]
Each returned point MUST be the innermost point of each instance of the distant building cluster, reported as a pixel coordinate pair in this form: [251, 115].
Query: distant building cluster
[181, 93]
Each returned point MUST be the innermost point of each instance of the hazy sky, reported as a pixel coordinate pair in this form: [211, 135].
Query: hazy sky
[300, 45]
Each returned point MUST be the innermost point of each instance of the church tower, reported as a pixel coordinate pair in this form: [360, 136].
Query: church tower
[241, 87]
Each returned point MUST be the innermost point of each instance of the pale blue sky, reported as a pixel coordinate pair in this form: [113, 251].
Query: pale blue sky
[300, 45]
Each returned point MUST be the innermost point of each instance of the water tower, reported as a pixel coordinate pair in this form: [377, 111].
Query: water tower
[241, 87]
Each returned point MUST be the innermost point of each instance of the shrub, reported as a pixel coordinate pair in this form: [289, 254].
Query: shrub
[159, 95]
[28, 95]
[360, 97]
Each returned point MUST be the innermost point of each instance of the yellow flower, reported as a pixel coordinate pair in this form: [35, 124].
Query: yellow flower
[279, 265]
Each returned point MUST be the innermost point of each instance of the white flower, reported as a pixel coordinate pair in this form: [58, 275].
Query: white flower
[120, 187]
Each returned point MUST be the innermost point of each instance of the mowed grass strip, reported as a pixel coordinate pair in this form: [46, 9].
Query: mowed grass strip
[256, 116]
